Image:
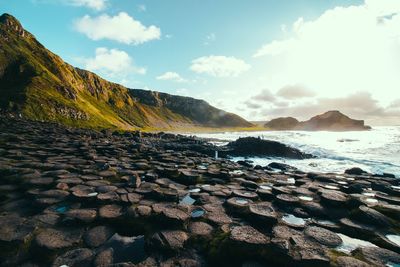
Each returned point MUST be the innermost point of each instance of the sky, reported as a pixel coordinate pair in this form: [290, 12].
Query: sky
[260, 59]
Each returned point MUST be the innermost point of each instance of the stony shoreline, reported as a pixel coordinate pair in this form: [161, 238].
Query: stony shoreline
[79, 197]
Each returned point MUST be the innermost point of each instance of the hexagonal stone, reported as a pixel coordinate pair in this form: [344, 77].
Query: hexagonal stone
[81, 257]
[248, 235]
[371, 216]
[97, 236]
[344, 261]
[323, 236]
[286, 200]
[169, 240]
[245, 194]
[104, 258]
[238, 204]
[171, 212]
[200, 229]
[110, 212]
[14, 228]
[81, 215]
[334, 198]
[51, 239]
[264, 213]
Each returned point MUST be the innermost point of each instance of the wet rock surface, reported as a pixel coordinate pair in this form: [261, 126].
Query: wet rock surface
[78, 197]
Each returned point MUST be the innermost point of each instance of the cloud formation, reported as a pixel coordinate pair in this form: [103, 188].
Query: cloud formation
[293, 92]
[121, 28]
[112, 62]
[344, 50]
[93, 4]
[264, 96]
[171, 76]
[219, 66]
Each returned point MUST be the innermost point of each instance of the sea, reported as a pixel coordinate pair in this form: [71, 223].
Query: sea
[376, 151]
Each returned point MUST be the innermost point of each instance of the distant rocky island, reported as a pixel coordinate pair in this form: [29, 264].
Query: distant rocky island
[329, 121]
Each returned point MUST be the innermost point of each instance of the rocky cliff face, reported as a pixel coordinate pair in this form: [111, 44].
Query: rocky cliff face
[329, 121]
[39, 85]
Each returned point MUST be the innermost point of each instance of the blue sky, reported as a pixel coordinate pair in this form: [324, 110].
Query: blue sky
[259, 58]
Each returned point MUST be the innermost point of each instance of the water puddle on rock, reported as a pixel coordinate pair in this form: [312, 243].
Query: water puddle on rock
[371, 200]
[368, 194]
[127, 248]
[196, 213]
[291, 219]
[331, 187]
[394, 239]
[306, 198]
[195, 190]
[349, 244]
[62, 208]
[241, 201]
[291, 181]
[237, 172]
[187, 200]
[265, 187]
[327, 223]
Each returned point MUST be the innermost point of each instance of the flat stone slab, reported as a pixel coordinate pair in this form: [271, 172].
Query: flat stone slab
[110, 212]
[248, 235]
[81, 215]
[334, 198]
[97, 236]
[200, 229]
[170, 240]
[323, 236]
[52, 239]
[81, 257]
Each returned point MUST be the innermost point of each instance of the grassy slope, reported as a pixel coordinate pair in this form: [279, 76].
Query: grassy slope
[40, 85]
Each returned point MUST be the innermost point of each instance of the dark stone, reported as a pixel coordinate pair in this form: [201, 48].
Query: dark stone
[248, 235]
[264, 213]
[355, 171]
[126, 249]
[51, 239]
[344, 261]
[169, 240]
[81, 257]
[251, 146]
[97, 236]
[110, 212]
[323, 236]
[81, 215]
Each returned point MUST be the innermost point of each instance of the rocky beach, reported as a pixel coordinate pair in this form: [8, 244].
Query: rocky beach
[79, 197]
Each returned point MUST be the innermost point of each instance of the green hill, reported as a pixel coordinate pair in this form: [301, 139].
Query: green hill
[39, 85]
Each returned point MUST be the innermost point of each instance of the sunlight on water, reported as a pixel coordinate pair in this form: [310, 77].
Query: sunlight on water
[375, 151]
[349, 244]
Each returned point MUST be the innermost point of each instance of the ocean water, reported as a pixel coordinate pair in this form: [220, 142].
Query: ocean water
[375, 151]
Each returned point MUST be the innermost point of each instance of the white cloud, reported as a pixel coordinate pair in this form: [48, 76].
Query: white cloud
[113, 63]
[122, 28]
[142, 8]
[210, 38]
[93, 4]
[219, 66]
[171, 76]
[293, 92]
[344, 50]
